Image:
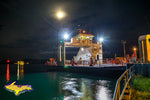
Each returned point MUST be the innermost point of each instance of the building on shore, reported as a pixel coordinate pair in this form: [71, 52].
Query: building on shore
[144, 48]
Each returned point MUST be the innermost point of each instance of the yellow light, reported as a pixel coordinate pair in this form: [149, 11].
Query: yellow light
[134, 49]
[20, 62]
[27, 63]
[84, 31]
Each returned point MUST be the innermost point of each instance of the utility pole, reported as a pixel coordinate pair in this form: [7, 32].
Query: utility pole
[124, 42]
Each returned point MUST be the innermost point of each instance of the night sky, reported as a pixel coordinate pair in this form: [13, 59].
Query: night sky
[28, 28]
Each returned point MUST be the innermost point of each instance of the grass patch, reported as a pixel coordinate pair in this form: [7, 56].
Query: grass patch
[140, 88]
[139, 95]
[141, 83]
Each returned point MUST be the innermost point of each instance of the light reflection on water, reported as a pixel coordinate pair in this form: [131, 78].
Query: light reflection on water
[103, 92]
[20, 72]
[86, 89]
[66, 86]
[7, 73]
[71, 86]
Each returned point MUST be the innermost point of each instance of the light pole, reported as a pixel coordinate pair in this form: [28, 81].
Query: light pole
[135, 52]
[59, 15]
[66, 36]
[124, 42]
[100, 51]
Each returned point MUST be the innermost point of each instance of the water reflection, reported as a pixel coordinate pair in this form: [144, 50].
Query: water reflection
[85, 89]
[7, 73]
[70, 86]
[60, 86]
[20, 71]
[103, 92]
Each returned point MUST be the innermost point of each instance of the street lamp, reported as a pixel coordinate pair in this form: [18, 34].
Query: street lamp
[99, 56]
[135, 53]
[66, 36]
[134, 49]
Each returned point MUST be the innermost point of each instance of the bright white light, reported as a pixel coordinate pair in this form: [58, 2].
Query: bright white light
[101, 39]
[103, 92]
[82, 49]
[66, 36]
[87, 37]
[60, 15]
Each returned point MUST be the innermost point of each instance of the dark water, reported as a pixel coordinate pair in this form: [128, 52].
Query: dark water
[55, 85]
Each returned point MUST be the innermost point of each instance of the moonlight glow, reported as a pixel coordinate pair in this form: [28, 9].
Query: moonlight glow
[60, 14]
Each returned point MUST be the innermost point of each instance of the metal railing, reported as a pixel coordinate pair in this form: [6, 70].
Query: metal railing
[122, 84]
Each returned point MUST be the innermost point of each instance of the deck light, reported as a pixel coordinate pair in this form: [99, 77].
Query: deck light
[82, 49]
[66, 36]
[101, 39]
